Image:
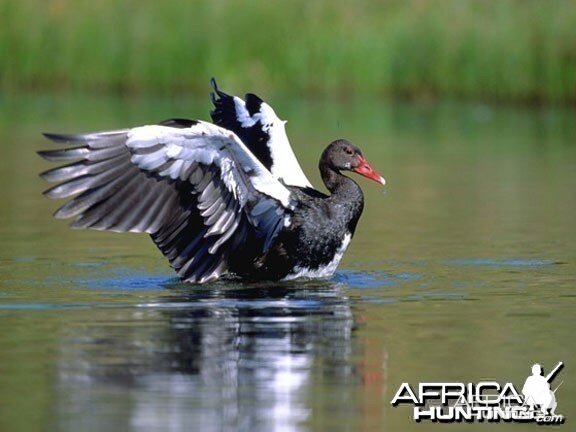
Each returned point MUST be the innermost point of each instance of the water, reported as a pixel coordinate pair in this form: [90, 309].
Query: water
[463, 269]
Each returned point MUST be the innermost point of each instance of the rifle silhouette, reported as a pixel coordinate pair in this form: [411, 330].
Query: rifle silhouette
[554, 371]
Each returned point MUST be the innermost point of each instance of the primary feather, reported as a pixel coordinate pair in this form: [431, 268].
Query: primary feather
[193, 186]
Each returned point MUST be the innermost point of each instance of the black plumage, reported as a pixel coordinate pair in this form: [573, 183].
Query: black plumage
[207, 196]
[254, 136]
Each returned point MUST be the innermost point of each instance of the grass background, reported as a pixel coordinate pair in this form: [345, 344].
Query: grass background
[506, 50]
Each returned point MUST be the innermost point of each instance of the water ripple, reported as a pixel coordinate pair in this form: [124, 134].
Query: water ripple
[510, 262]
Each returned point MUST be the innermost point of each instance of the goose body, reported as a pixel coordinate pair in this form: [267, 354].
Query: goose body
[221, 198]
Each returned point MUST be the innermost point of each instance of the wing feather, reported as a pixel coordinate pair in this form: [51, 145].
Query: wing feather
[193, 186]
[258, 126]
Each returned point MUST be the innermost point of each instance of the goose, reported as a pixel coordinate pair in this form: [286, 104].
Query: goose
[221, 199]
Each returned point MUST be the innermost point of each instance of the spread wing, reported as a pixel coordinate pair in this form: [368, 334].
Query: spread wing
[192, 185]
[257, 125]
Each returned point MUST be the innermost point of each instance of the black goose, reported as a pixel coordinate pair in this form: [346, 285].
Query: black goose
[227, 198]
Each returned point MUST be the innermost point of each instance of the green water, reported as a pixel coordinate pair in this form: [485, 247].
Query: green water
[462, 269]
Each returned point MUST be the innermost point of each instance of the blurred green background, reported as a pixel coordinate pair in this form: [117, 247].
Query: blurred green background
[507, 50]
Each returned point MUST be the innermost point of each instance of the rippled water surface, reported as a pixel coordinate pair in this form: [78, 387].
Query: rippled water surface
[463, 268]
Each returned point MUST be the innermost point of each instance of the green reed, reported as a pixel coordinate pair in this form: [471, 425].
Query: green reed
[504, 50]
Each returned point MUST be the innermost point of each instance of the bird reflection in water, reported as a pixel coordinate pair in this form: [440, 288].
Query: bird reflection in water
[244, 358]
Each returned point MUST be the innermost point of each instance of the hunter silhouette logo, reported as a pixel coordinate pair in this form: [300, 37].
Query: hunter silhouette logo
[537, 391]
[485, 400]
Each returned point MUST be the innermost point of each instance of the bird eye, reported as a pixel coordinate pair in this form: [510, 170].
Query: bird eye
[348, 150]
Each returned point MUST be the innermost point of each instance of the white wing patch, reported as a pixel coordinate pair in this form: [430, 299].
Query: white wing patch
[171, 152]
[285, 166]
